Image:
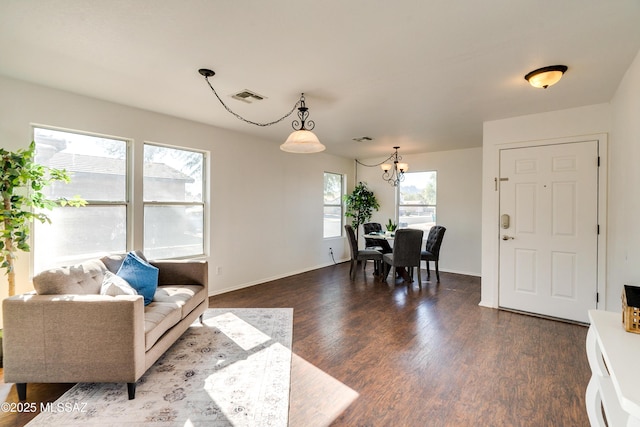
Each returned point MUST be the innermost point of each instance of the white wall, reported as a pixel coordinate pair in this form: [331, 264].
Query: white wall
[624, 188]
[266, 205]
[590, 122]
[459, 201]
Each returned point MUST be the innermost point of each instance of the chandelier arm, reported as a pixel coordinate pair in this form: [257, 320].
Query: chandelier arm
[250, 121]
[393, 178]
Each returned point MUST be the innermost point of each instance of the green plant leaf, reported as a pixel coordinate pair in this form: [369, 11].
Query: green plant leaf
[22, 182]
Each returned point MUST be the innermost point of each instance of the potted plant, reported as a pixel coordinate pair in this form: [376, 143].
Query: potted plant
[391, 226]
[360, 205]
[22, 182]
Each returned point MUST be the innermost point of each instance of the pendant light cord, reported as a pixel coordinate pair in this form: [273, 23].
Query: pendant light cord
[377, 164]
[250, 121]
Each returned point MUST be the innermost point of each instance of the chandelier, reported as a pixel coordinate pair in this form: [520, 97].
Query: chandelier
[301, 140]
[392, 173]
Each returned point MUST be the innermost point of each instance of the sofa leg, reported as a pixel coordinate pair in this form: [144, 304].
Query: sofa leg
[22, 391]
[201, 319]
[131, 390]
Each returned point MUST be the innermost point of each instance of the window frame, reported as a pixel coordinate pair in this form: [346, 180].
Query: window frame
[202, 203]
[134, 202]
[399, 205]
[333, 205]
[126, 203]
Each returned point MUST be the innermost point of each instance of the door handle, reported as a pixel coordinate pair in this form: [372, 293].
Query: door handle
[507, 238]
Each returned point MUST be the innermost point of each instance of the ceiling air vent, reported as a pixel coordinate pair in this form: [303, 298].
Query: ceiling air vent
[363, 139]
[247, 96]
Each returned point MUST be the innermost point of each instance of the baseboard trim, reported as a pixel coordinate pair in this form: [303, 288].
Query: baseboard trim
[213, 292]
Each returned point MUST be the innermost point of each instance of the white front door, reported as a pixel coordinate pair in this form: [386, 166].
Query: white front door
[549, 229]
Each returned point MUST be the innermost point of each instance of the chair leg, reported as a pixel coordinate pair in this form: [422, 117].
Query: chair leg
[387, 268]
[352, 269]
[419, 277]
[428, 272]
[437, 271]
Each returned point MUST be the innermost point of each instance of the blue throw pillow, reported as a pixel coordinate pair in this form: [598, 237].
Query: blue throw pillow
[142, 276]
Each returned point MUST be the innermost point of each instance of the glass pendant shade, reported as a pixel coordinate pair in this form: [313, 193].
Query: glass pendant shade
[302, 141]
[385, 167]
[403, 167]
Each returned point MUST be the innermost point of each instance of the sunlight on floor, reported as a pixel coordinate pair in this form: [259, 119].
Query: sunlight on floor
[316, 398]
[243, 334]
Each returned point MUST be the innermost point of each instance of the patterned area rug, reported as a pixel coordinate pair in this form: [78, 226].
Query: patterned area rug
[234, 371]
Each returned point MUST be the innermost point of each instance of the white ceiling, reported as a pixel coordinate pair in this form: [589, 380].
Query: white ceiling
[421, 74]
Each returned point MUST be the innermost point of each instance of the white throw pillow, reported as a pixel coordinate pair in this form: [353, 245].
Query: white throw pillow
[115, 285]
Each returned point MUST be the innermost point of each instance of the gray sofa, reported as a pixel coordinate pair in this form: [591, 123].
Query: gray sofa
[68, 332]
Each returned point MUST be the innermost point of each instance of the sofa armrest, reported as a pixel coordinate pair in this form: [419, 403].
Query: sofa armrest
[182, 272]
[73, 338]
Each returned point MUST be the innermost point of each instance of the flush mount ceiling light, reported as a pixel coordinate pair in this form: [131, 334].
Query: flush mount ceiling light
[546, 76]
[301, 140]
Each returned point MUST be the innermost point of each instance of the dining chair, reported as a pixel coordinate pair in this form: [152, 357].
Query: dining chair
[406, 252]
[431, 251]
[361, 254]
[375, 244]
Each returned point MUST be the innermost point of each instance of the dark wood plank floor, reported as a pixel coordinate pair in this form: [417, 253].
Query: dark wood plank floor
[419, 357]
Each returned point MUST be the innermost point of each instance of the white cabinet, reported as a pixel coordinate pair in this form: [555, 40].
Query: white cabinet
[614, 358]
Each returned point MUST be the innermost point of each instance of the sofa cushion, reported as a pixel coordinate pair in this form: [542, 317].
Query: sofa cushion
[81, 279]
[115, 285]
[159, 317]
[187, 297]
[114, 261]
[141, 275]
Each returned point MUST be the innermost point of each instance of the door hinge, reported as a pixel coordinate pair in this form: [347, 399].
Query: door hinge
[598, 161]
[598, 229]
[597, 297]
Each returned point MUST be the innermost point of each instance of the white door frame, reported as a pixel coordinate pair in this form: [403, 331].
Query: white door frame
[491, 226]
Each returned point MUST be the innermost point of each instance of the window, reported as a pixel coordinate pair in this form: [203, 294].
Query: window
[417, 200]
[173, 202]
[333, 192]
[97, 166]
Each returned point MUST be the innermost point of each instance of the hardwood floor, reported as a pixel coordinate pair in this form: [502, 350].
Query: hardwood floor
[417, 357]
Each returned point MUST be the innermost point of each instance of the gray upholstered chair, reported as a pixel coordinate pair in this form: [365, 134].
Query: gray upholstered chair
[360, 255]
[376, 244]
[406, 252]
[431, 251]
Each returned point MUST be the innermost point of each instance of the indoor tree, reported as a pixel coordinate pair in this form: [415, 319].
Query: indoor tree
[22, 182]
[360, 205]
